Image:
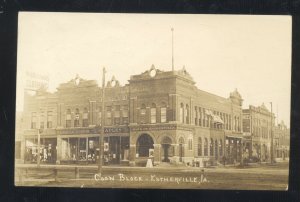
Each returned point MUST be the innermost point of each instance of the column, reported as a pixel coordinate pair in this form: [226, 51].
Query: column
[176, 152]
[58, 150]
[157, 154]
[132, 153]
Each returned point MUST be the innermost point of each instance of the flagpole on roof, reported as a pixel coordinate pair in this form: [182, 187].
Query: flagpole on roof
[172, 29]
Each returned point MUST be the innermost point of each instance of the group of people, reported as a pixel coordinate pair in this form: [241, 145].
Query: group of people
[46, 154]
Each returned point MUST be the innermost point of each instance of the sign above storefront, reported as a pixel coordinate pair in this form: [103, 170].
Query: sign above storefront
[151, 128]
[112, 130]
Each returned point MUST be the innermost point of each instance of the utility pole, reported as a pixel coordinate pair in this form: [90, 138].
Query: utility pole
[101, 135]
[172, 29]
[272, 152]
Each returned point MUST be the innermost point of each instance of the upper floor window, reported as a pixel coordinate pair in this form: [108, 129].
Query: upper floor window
[49, 119]
[181, 118]
[42, 120]
[187, 114]
[85, 118]
[153, 113]
[68, 118]
[143, 114]
[200, 116]
[117, 115]
[196, 116]
[125, 114]
[205, 147]
[163, 113]
[100, 116]
[76, 119]
[33, 120]
[108, 115]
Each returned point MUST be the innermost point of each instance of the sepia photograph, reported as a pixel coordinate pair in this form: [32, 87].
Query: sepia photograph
[159, 101]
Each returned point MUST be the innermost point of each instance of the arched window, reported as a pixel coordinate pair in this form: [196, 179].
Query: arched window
[143, 114]
[181, 118]
[153, 113]
[211, 147]
[76, 119]
[85, 118]
[163, 113]
[187, 114]
[205, 147]
[199, 146]
[144, 143]
[68, 118]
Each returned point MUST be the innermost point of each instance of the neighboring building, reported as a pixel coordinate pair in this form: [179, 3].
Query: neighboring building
[282, 142]
[18, 134]
[258, 122]
[159, 114]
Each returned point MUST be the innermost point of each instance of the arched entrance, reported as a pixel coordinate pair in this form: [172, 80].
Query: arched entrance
[166, 146]
[144, 144]
[181, 149]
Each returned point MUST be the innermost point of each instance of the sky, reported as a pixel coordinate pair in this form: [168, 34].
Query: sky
[221, 52]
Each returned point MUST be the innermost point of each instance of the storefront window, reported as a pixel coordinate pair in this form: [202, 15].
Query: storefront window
[31, 153]
[93, 149]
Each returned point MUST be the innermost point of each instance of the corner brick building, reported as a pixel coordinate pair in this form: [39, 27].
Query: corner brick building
[160, 115]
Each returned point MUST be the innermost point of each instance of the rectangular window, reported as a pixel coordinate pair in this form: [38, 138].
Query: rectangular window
[153, 115]
[42, 120]
[108, 118]
[85, 122]
[49, 119]
[181, 115]
[42, 125]
[163, 114]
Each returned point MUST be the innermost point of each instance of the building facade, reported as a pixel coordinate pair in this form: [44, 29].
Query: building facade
[281, 142]
[258, 125]
[159, 115]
